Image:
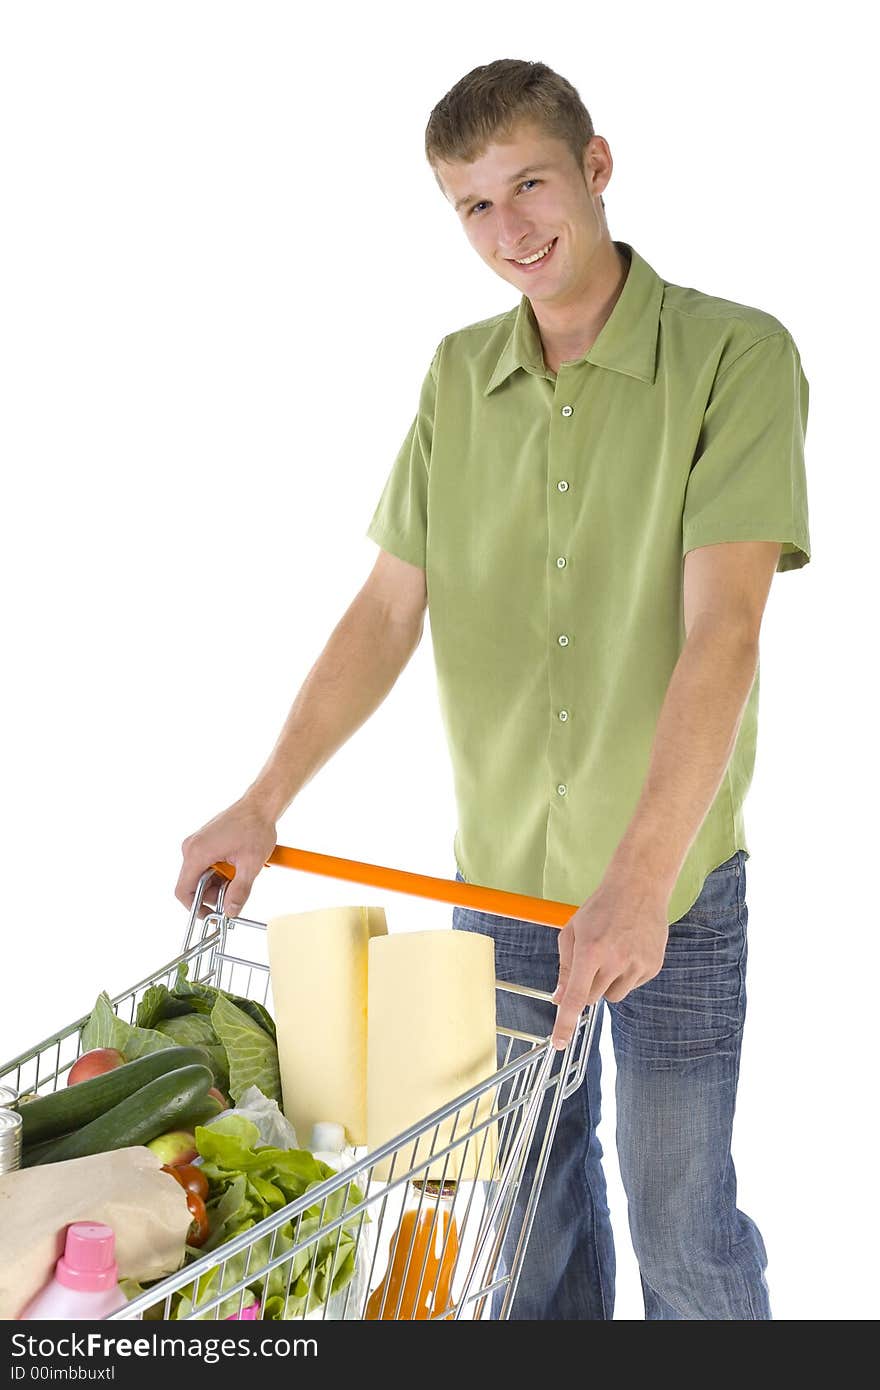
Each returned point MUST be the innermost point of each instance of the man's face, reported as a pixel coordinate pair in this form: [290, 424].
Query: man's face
[509, 214]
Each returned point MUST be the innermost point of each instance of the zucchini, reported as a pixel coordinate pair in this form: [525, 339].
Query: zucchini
[68, 1108]
[161, 1105]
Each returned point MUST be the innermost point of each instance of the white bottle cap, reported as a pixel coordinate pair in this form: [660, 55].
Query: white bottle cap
[328, 1137]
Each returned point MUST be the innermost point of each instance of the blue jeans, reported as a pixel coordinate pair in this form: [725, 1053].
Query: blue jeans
[677, 1046]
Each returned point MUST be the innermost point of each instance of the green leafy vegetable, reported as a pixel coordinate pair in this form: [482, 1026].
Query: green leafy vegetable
[159, 1003]
[252, 1054]
[196, 1030]
[239, 1034]
[105, 1029]
[247, 1184]
[203, 997]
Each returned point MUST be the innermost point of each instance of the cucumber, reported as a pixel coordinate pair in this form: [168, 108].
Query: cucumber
[48, 1116]
[31, 1155]
[202, 1112]
[163, 1104]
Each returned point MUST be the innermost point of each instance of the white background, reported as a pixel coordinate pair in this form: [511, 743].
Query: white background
[225, 265]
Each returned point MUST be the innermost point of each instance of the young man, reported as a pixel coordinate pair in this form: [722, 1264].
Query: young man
[613, 471]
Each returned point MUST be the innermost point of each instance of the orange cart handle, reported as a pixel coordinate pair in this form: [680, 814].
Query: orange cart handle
[442, 890]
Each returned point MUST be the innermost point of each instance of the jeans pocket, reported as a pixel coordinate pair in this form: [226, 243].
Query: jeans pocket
[720, 899]
[694, 1007]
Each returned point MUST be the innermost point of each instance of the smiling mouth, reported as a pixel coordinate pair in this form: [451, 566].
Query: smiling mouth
[542, 260]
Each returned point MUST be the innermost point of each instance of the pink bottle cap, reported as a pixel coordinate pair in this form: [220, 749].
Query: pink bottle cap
[89, 1260]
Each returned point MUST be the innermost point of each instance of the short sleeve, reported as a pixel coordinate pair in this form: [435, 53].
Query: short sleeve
[747, 480]
[400, 521]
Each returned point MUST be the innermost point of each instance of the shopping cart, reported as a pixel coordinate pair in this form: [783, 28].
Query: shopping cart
[463, 1241]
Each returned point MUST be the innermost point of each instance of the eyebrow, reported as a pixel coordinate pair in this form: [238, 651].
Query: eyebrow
[514, 178]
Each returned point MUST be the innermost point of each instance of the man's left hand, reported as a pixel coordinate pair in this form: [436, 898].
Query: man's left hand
[611, 945]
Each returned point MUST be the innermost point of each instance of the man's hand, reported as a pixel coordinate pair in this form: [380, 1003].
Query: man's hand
[611, 945]
[243, 836]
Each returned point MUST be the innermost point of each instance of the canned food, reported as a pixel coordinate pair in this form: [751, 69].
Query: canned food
[10, 1140]
[8, 1097]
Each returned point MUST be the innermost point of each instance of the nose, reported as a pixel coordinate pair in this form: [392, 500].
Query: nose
[513, 233]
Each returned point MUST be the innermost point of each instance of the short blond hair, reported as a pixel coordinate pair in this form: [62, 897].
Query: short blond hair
[489, 102]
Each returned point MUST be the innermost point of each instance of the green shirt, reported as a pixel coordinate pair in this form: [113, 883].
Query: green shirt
[552, 514]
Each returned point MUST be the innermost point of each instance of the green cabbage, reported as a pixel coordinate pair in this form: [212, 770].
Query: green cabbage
[238, 1034]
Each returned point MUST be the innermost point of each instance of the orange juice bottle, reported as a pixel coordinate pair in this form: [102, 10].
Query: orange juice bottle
[422, 1258]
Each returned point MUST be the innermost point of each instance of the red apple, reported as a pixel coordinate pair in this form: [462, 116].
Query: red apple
[177, 1146]
[218, 1095]
[94, 1063]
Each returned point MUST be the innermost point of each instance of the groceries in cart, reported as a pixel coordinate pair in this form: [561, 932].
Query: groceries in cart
[85, 1282]
[380, 1029]
[125, 1190]
[370, 1033]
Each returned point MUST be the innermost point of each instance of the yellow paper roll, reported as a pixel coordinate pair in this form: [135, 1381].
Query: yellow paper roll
[318, 969]
[431, 1036]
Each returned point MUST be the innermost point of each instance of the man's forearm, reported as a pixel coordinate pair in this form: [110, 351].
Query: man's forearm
[363, 658]
[695, 736]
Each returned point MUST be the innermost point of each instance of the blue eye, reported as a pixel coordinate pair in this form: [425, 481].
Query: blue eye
[522, 185]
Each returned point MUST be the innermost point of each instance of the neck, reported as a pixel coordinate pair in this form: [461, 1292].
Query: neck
[569, 330]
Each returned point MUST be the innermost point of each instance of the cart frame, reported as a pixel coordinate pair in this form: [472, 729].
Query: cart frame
[493, 1219]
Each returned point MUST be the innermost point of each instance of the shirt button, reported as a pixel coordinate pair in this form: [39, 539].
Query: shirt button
[563, 715]
[560, 563]
[567, 410]
[563, 640]
[563, 486]
[562, 789]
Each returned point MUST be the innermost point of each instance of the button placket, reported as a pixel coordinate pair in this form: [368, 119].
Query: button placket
[560, 456]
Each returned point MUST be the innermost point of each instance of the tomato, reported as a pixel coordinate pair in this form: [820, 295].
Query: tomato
[199, 1229]
[192, 1179]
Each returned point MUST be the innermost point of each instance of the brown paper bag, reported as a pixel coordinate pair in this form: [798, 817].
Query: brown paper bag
[126, 1189]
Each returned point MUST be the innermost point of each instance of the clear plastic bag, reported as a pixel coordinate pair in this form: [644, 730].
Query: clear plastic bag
[266, 1115]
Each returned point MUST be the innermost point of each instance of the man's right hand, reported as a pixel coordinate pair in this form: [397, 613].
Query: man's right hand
[244, 836]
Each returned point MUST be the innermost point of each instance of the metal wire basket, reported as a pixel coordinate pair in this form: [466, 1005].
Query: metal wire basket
[451, 1244]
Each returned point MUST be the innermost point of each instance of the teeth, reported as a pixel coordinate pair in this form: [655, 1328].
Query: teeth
[529, 260]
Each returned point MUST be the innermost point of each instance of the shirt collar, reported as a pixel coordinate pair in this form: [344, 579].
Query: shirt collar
[626, 343]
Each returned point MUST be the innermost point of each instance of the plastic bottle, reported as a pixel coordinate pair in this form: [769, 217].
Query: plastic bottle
[85, 1283]
[421, 1259]
[329, 1146]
